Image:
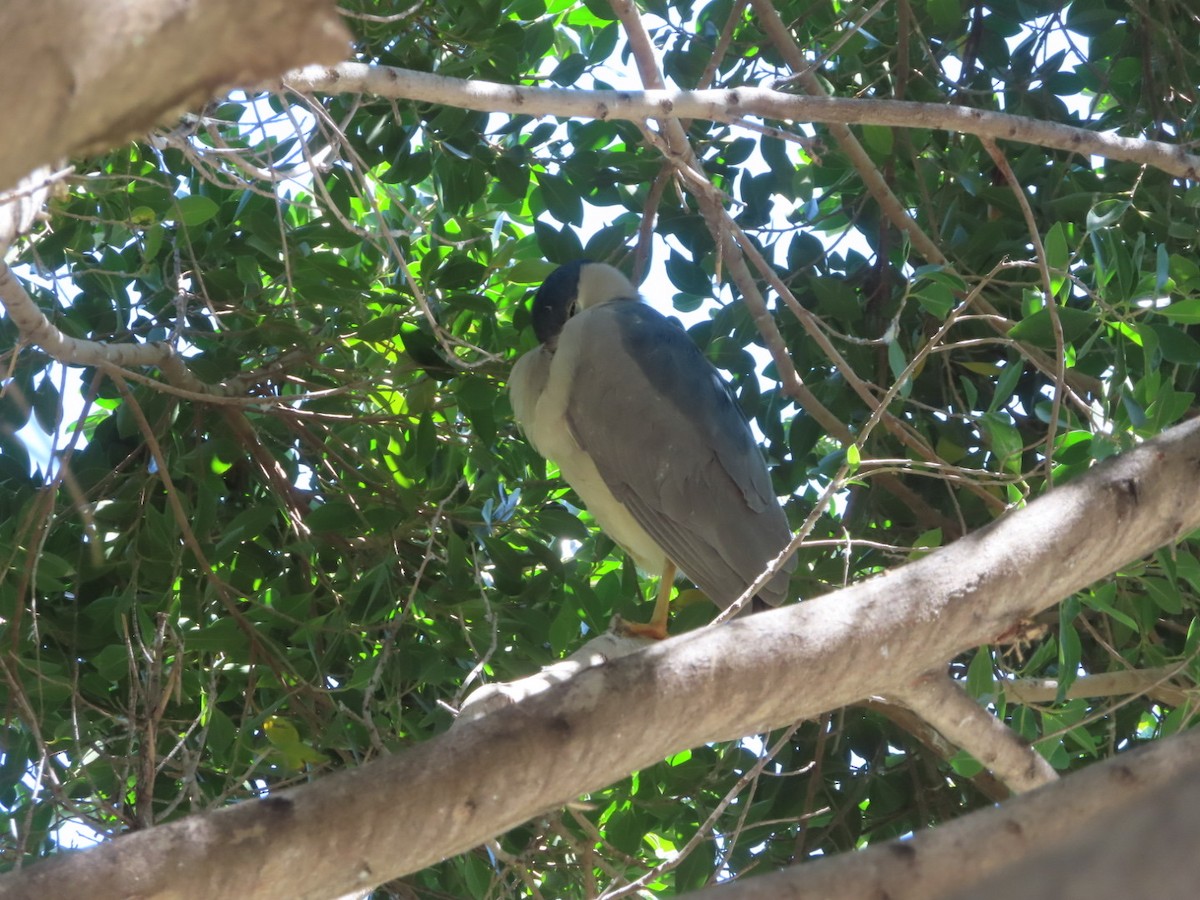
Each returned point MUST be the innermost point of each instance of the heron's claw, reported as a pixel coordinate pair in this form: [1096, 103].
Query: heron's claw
[655, 631]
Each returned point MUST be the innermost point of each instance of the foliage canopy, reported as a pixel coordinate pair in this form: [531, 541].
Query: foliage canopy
[207, 595]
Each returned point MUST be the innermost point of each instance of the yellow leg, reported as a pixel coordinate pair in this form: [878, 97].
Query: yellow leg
[656, 628]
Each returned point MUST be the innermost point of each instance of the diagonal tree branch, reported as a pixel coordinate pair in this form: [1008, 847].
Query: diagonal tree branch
[873, 180]
[947, 707]
[449, 794]
[734, 249]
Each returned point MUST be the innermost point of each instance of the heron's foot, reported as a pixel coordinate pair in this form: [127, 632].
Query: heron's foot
[655, 631]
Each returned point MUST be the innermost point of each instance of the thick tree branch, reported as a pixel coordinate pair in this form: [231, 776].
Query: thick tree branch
[730, 105]
[108, 72]
[947, 707]
[953, 858]
[451, 793]
[1146, 846]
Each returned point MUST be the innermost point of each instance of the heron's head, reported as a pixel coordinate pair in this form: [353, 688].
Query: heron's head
[573, 288]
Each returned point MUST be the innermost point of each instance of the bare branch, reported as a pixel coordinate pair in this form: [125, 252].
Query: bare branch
[732, 104]
[873, 180]
[1155, 683]
[38, 330]
[19, 209]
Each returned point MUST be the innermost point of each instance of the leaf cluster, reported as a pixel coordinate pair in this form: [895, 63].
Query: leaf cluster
[351, 534]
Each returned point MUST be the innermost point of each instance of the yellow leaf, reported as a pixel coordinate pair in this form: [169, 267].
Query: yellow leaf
[949, 451]
[982, 368]
[688, 597]
[282, 735]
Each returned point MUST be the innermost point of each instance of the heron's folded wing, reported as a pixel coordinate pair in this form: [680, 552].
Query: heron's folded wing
[674, 447]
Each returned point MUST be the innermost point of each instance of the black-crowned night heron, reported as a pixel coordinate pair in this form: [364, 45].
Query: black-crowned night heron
[646, 432]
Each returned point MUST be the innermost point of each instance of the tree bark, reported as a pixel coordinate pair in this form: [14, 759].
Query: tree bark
[97, 74]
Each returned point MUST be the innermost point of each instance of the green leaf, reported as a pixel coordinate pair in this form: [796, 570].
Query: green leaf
[1005, 441]
[558, 521]
[1162, 271]
[47, 406]
[1038, 328]
[1102, 599]
[564, 628]
[1165, 594]
[293, 753]
[1006, 384]
[1070, 653]
[896, 359]
[687, 276]
[195, 210]
[837, 299]
[935, 298]
[1106, 213]
[1185, 312]
[561, 199]
[222, 636]
[879, 139]
[1057, 257]
[964, 764]
[980, 676]
[944, 13]
[335, 516]
[853, 457]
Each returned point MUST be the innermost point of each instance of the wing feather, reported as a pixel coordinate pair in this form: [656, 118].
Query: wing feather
[672, 445]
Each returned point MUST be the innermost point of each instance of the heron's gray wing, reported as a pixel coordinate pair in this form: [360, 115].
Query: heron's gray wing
[674, 447]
